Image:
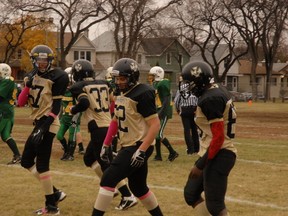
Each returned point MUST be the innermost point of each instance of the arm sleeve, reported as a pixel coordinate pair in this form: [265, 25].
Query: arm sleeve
[81, 106]
[112, 131]
[217, 129]
[23, 96]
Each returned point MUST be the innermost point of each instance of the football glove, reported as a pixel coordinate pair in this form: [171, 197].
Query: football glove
[138, 158]
[106, 154]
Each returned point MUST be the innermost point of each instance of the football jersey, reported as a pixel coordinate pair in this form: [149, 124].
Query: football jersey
[213, 106]
[8, 92]
[132, 110]
[98, 94]
[44, 89]
[68, 101]
[163, 89]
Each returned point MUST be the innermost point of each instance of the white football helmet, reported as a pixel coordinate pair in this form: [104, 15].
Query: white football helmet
[108, 75]
[158, 73]
[68, 70]
[5, 71]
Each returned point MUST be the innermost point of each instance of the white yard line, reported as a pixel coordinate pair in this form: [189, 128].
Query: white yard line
[228, 198]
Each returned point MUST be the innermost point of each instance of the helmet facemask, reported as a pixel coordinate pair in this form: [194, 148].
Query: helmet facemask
[128, 68]
[42, 57]
[198, 75]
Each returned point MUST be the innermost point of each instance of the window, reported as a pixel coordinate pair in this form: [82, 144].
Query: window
[82, 55]
[19, 54]
[139, 59]
[168, 58]
[180, 59]
[76, 55]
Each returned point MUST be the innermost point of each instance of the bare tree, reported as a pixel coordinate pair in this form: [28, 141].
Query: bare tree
[202, 28]
[133, 22]
[258, 22]
[273, 16]
[74, 16]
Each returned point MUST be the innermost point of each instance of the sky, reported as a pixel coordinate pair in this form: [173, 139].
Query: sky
[98, 29]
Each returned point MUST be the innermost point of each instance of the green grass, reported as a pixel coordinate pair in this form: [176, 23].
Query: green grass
[257, 184]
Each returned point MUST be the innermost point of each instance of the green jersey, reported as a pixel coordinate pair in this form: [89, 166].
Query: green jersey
[163, 90]
[8, 92]
[67, 102]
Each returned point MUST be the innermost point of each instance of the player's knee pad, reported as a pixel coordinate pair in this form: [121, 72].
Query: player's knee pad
[215, 207]
[42, 167]
[191, 194]
[87, 161]
[27, 164]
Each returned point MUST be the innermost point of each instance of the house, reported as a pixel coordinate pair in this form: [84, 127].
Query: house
[221, 54]
[83, 48]
[167, 53]
[279, 79]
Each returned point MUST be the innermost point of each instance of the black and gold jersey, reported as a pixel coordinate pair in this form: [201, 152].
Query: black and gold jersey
[98, 94]
[133, 108]
[213, 106]
[44, 89]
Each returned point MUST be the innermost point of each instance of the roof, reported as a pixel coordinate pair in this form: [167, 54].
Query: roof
[105, 42]
[157, 46]
[280, 67]
[83, 35]
[219, 52]
[245, 68]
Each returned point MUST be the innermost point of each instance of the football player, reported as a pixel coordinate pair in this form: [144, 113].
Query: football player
[94, 98]
[164, 109]
[46, 86]
[69, 122]
[216, 117]
[137, 124]
[7, 99]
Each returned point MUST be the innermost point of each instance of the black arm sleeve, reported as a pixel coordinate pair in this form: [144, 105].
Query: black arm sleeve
[56, 106]
[81, 106]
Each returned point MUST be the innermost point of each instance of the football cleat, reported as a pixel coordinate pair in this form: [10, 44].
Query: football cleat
[59, 196]
[15, 160]
[126, 202]
[48, 210]
[173, 156]
[157, 158]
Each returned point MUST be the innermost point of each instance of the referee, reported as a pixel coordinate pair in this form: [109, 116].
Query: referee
[186, 107]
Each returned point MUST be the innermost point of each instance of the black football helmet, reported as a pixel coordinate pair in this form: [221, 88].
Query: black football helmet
[196, 77]
[129, 68]
[42, 52]
[82, 69]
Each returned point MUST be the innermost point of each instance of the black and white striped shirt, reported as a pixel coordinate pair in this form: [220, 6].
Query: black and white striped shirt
[187, 101]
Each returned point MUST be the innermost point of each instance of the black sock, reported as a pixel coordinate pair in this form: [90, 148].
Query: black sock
[156, 212]
[71, 147]
[97, 212]
[124, 190]
[50, 199]
[12, 145]
[166, 142]
[158, 148]
[81, 147]
[64, 144]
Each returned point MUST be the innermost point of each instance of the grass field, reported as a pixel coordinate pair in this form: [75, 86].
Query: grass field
[257, 184]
